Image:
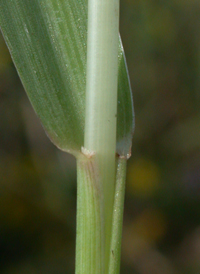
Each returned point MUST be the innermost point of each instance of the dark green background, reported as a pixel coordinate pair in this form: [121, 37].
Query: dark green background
[162, 208]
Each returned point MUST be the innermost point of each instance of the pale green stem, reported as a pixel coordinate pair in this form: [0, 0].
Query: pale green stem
[118, 209]
[89, 235]
[101, 100]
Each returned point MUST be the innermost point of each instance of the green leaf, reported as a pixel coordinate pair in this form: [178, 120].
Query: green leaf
[47, 41]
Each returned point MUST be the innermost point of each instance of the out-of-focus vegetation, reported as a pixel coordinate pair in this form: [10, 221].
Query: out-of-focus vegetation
[162, 208]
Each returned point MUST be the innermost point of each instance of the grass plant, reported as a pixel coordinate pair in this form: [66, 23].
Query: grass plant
[71, 62]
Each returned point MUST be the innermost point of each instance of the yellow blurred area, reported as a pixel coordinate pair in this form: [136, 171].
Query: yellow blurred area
[143, 177]
[151, 225]
[141, 238]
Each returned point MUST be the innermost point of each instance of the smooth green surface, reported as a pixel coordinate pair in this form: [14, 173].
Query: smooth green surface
[47, 41]
[90, 236]
[101, 100]
[101, 76]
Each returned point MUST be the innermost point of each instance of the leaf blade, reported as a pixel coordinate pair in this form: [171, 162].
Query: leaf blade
[47, 41]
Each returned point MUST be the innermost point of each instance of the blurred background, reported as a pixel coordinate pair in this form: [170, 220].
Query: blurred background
[161, 232]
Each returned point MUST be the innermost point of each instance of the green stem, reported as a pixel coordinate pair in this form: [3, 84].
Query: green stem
[90, 252]
[115, 249]
[89, 235]
[101, 101]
